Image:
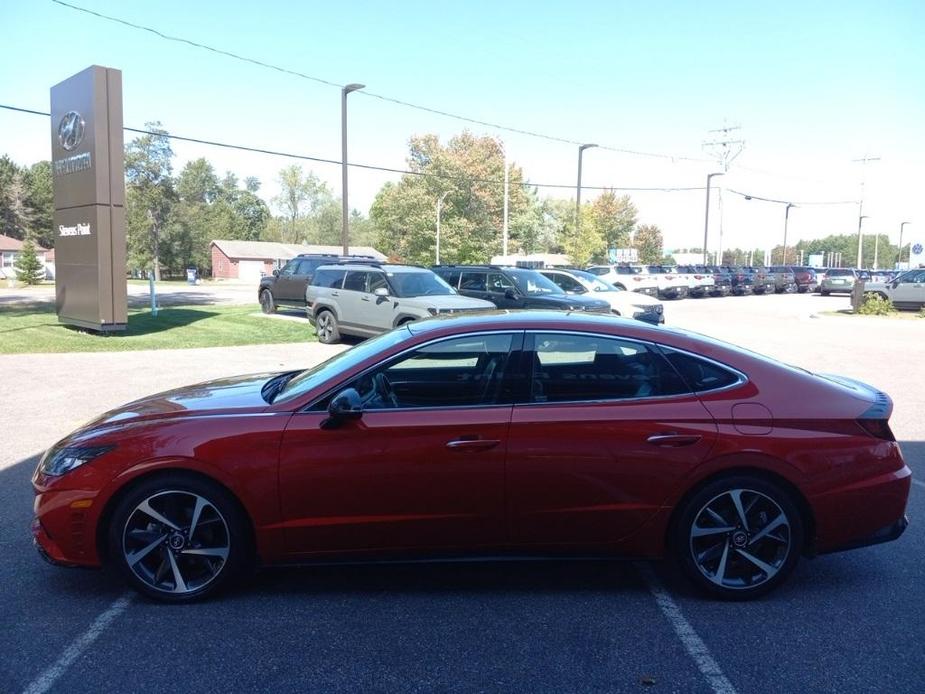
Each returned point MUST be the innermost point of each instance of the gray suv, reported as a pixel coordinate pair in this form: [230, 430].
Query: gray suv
[371, 298]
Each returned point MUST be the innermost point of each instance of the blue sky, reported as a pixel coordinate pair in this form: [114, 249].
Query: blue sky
[812, 86]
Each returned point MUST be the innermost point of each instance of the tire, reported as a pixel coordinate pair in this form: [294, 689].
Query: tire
[326, 327]
[267, 304]
[192, 561]
[771, 536]
[824, 292]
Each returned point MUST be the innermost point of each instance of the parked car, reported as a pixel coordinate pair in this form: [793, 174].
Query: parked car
[699, 282]
[370, 298]
[906, 291]
[622, 302]
[742, 282]
[784, 279]
[722, 280]
[805, 278]
[519, 434]
[763, 281]
[286, 286]
[838, 280]
[670, 283]
[513, 287]
[634, 278]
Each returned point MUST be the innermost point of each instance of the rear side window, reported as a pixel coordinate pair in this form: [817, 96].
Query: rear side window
[701, 375]
[472, 281]
[355, 281]
[332, 279]
[584, 368]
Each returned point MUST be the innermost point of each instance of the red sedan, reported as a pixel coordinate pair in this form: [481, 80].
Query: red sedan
[521, 434]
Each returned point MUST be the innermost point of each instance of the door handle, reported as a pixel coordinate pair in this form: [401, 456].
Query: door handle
[472, 444]
[673, 440]
[335, 294]
[365, 298]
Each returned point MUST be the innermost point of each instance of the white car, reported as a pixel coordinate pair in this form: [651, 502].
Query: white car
[907, 291]
[622, 302]
[633, 278]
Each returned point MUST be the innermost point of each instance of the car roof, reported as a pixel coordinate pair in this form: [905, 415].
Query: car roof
[387, 267]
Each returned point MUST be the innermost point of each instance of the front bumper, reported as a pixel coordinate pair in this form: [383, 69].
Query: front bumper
[653, 317]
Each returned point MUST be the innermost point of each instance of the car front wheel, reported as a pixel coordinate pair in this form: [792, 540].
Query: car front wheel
[326, 327]
[739, 537]
[178, 539]
[267, 304]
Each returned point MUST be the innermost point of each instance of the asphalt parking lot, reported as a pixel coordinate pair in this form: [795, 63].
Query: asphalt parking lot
[843, 623]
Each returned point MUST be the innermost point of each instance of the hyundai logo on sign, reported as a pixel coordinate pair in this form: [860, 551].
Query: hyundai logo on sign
[70, 130]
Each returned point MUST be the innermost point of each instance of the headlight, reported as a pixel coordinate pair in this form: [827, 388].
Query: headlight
[58, 461]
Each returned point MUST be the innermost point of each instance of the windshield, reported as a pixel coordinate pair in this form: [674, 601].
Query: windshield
[841, 273]
[595, 283]
[418, 283]
[533, 283]
[315, 376]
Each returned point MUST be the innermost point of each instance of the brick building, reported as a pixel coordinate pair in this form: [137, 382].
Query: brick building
[248, 260]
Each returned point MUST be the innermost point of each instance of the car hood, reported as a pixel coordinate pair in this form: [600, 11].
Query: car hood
[238, 394]
[450, 301]
[618, 299]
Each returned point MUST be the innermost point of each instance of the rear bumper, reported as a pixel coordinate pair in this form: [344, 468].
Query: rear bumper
[648, 291]
[888, 533]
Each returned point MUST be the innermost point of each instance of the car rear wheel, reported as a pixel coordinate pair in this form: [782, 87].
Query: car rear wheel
[267, 304]
[738, 537]
[326, 327]
[178, 539]
[824, 292]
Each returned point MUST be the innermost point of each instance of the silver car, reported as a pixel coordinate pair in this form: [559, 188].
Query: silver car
[371, 298]
[907, 291]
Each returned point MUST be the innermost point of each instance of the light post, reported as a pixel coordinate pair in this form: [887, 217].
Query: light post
[900, 258]
[581, 151]
[345, 223]
[706, 219]
[786, 219]
[439, 210]
[861, 218]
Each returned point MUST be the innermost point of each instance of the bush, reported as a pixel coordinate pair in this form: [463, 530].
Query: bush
[876, 305]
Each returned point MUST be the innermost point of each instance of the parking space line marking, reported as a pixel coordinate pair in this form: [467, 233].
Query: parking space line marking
[693, 644]
[47, 679]
[919, 483]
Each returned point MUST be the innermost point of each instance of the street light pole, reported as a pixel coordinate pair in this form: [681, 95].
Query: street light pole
[900, 258]
[345, 222]
[581, 151]
[439, 210]
[706, 220]
[786, 219]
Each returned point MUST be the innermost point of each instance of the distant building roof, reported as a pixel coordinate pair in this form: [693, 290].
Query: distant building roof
[8, 243]
[272, 250]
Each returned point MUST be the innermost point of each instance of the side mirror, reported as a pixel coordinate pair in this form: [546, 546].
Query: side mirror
[381, 292]
[276, 272]
[344, 406]
[510, 294]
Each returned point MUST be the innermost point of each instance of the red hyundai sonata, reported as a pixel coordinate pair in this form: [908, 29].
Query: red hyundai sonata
[509, 434]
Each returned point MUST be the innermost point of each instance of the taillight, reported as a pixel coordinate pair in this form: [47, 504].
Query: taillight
[669, 277]
[637, 279]
[878, 428]
[698, 277]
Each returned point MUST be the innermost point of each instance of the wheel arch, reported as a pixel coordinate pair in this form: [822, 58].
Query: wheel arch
[799, 500]
[318, 308]
[105, 517]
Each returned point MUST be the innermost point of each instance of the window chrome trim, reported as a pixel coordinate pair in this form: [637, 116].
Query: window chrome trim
[507, 331]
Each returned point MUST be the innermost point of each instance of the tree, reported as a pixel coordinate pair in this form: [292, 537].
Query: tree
[197, 182]
[298, 192]
[29, 268]
[16, 216]
[648, 243]
[585, 245]
[149, 196]
[614, 219]
[470, 170]
[41, 203]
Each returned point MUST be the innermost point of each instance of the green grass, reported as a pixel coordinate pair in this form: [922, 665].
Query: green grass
[36, 329]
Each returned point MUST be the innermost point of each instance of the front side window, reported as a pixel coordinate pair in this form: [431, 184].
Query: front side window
[307, 267]
[377, 280]
[498, 283]
[532, 283]
[458, 372]
[472, 281]
[355, 281]
[290, 267]
[577, 368]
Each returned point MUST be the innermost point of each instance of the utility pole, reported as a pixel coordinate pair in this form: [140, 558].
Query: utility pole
[863, 162]
[504, 224]
[345, 220]
[724, 149]
[706, 216]
[786, 219]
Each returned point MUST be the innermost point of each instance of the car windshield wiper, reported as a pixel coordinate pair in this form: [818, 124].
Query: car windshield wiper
[272, 387]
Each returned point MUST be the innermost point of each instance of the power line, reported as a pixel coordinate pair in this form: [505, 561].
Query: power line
[381, 97]
[372, 167]
[750, 196]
